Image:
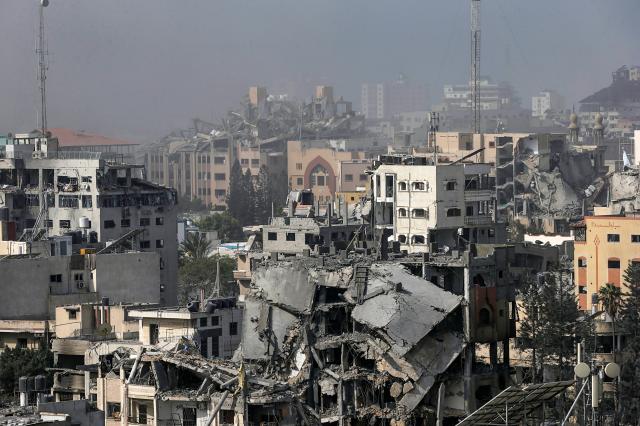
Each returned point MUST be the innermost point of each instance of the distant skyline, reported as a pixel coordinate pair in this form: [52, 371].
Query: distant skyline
[139, 69]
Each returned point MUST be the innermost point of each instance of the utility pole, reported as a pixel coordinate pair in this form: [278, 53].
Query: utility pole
[42, 52]
[475, 64]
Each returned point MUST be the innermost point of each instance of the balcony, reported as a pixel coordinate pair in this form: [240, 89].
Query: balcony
[478, 220]
[141, 420]
[241, 275]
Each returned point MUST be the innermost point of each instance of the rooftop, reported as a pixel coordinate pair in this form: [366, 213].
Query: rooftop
[69, 137]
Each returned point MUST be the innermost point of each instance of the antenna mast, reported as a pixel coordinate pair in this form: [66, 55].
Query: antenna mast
[42, 53]
[475, 64]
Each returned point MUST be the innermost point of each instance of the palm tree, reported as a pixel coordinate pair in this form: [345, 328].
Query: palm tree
[196, 245]
[611, 297]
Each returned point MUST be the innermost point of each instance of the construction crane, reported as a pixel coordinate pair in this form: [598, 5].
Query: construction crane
[475, 64]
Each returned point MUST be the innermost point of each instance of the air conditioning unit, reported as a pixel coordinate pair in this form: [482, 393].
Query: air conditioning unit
[80, 285]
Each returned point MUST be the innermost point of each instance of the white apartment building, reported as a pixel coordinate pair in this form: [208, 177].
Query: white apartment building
[493, 96]
[546, 100]
[428, 208]
[87, 194]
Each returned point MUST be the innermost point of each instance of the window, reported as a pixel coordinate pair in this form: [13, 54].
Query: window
[57, 278]
[87, 201]
[320, 180]
[613, 238]
[159, 221]
[65, 224]
[233, 328]
[363, 177]
[159, 243]
[145, 244]
[402, 186]
[484, 316]
[220, 193]
[402, 239]
[469, 211]
[582, 262]
[451, 185]
[189, 416]
[635, 238]
[417, 239]
[272, 236]
[125, 223]
[299, 181]
[419, 213]
[218, 160]
[72, 314]
[78, 276]
[582, 289]
[418, 186]
[113, 410]
[402, 212]
[22, 343]
[215, 321]
[49, 223]
[219, 176]
[69, 201]
[145, 221]
[298, 166]
[255, 162]
[244, 161]
[348, 178]
[613, 263]
[453, 212]
[291, 236]
[203, 322]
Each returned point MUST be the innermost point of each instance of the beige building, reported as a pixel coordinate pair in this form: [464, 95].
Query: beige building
[315, 165]
[604, 247]
[429, 208]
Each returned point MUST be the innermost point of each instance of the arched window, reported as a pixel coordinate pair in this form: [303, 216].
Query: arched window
[402, 212]
[479, 280]
[402, 239]
[319, 176]
[402, 186]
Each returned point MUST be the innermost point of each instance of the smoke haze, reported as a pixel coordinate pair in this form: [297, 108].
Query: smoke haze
[139, 69]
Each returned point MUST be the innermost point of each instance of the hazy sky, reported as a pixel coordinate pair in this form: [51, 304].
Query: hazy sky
[140, 68]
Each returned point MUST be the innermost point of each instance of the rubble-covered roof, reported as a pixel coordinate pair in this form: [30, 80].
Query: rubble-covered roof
[407, 309]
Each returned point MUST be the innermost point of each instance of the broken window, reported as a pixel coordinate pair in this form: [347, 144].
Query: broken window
[145, 244]
[418, 186]
[233, 328]
[109, 224]
[215, 321]
[125, 223]
[453, 212]
[72, 314]
[451, 185]
[66, 224]
[113, 410]
[32, 200]
[291, 236]
[69, 201]
[145, 221]
[203, 322]
[272, 236]
[402, 239]
[87, 201]
[417, 239]
[154, 334]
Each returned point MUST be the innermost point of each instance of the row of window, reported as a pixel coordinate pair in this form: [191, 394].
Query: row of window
[255, 162]
[417, 213]
[219, 193]
[615, 238]
[415, 239]
[349, 178]
[424, 186]
[126, 223]
[215, 321]
[612, 262]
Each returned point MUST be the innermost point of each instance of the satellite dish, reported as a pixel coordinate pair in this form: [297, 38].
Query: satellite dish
[582, 370]
[612, 370]
[44, 3]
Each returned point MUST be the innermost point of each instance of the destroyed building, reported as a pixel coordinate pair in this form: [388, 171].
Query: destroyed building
[90, 196]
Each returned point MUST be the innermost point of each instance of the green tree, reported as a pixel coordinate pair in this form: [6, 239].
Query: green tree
[195, 246]
[630, 306]
[610, 297]
[238, 200]
[629, 394]
[264, 196]
[249, 190]
[18, 362]
[226, 225]
[196, 205]
[532, 324]
[196, 274]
